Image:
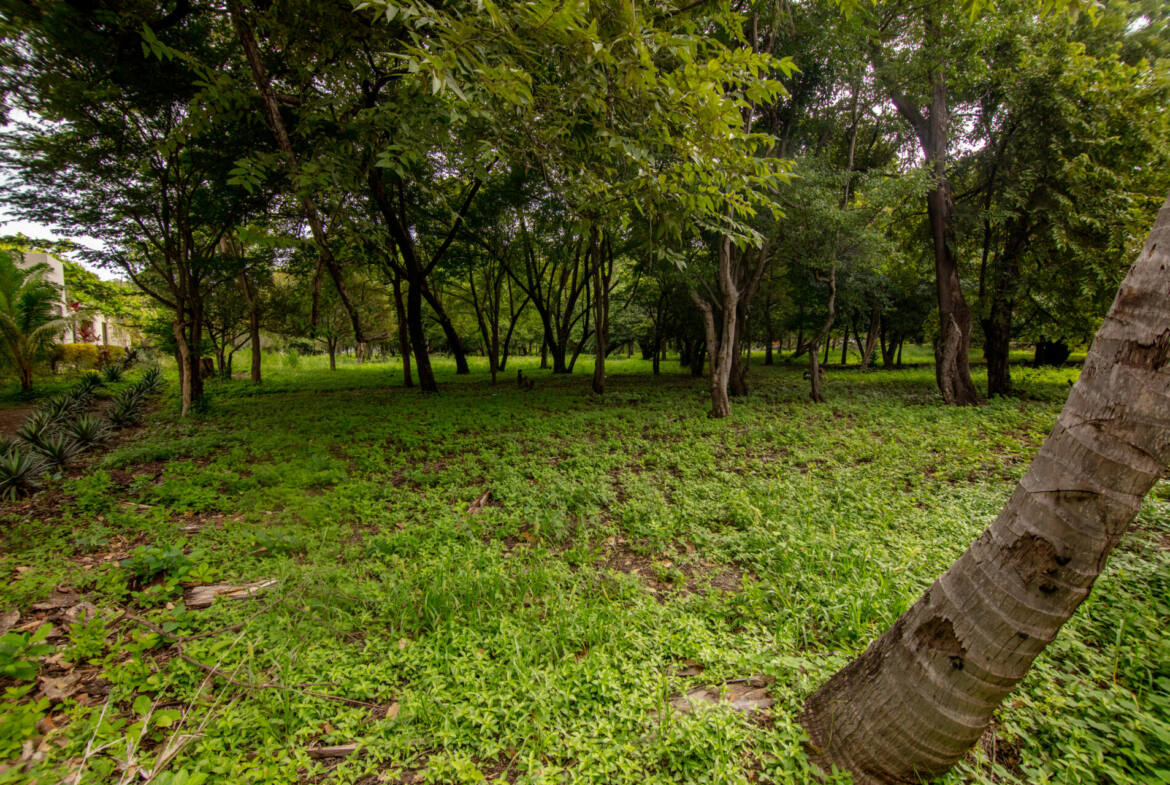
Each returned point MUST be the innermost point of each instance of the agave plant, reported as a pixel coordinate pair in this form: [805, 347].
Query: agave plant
[36, 429]
[58, 451]
[88, 430]
[127, 408]
[57, 409]
[20, 473]
[112, 373]
[7, 444]
[90, 381]
[152, 379]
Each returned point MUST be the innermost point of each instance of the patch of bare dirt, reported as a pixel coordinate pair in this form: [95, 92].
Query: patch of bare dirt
[10, 419]
[663, 574]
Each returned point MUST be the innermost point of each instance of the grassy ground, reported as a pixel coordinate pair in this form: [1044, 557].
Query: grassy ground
[514, 586]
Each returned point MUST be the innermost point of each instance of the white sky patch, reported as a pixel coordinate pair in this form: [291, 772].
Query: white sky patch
[10, 223]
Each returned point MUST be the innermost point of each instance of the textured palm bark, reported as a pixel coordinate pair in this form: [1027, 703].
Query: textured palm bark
[920, 696]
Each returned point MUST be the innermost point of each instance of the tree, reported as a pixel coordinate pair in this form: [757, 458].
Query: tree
[29, 321]
[1074, 147]
[912, 49]
[915, 701]
[137, 148]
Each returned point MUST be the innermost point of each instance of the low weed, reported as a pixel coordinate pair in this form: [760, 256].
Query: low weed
[510, 586]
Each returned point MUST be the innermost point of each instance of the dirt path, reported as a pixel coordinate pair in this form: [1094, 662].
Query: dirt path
[10, 419]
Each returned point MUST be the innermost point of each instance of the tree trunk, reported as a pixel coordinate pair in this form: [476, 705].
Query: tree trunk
[332, 344]
[875, 322]
[403, 331]
[418, 341]
[920, 696]
[184, 364]
[253, 325]
[194, 344]
[453, 339]
[600, 306]
[284, 144]
[721, 340]
[997, 337]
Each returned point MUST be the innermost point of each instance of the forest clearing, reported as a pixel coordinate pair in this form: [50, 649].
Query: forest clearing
[524, 586]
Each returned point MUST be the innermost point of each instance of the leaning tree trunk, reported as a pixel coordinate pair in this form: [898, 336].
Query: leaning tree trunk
[920, 696]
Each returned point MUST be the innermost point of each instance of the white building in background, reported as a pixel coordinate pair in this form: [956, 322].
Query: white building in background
[94, 327]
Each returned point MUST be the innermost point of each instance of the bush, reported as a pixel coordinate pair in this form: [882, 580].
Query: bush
[88, 430]
[58, 451]
[128, 407]
[36, 429]
[109, 356]
[112, 373]
[78, 356]
[20, 473]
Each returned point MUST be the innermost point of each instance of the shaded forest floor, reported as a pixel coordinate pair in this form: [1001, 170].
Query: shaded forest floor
[537, 586]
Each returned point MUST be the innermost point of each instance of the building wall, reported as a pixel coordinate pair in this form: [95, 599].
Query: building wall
[56, 272]
[105, 330]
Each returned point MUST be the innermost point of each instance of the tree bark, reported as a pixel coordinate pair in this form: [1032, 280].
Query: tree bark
[602, 271]
[418, 340]
[403, 331]
[919, 697]
[721, 343]
[184, 355]
[253, 325]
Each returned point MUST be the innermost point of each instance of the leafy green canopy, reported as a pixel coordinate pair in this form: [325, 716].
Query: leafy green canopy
[616, 105]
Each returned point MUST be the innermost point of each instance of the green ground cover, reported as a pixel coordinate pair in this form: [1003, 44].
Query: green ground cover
[514, 586]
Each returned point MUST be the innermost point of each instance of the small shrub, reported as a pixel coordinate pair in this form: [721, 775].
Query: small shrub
[112, 374]
[92, 492]
[58, 409]
[90, 381]
[87, 639]
[36, 429]
[88, 430]
[128, 407]
[58, 451]
[18, 649]
[78, 356]
[148, 561]
[152, 379]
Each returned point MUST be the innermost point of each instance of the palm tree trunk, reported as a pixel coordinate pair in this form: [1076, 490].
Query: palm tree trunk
[922, 694]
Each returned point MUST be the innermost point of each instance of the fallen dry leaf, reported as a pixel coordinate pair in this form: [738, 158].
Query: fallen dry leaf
[392, 710]
[204, 596]
[477, 505]
[56, 601]
[336, 751]
[60, 688]
[746, 695]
